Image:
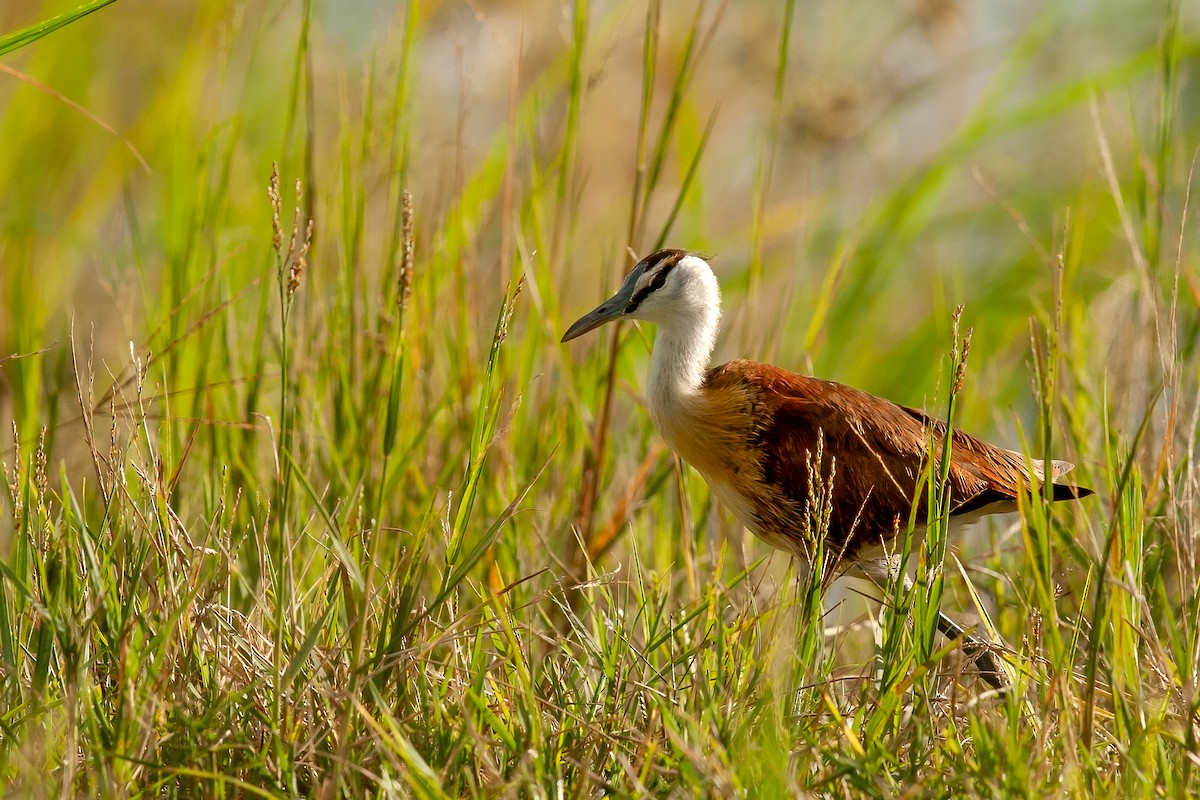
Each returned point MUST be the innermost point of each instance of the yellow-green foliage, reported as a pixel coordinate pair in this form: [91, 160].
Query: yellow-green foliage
[302, 496]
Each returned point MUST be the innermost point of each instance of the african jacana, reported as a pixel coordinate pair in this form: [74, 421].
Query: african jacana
[751, 430]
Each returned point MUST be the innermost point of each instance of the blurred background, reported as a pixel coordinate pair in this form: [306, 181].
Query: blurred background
[896, 145]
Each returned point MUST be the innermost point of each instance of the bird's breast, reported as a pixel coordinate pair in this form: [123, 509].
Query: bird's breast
[717, 433]
[712, 433]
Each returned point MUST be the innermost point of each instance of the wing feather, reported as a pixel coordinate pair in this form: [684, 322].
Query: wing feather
[876, 451]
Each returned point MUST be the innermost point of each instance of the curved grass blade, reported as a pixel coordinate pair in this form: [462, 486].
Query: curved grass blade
[18, 39]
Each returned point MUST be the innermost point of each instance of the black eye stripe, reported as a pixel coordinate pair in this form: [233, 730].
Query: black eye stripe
[654, 285]
[671, 257]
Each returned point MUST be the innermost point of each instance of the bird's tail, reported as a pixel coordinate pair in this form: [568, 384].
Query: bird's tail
[1058, 468]
[1062, 491]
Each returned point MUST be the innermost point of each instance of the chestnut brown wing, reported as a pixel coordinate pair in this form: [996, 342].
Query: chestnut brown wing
[875, 449]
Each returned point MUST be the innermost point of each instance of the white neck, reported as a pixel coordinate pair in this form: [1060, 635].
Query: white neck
[680, 358]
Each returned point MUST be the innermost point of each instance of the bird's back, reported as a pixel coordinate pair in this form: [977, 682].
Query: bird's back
[786, 436]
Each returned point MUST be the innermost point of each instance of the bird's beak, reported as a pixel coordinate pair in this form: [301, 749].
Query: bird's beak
[610, 309]
[607, 311]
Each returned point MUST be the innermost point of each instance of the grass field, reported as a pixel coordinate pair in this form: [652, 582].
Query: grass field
[303, 497]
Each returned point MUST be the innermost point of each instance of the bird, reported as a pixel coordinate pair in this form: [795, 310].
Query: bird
[768, 441]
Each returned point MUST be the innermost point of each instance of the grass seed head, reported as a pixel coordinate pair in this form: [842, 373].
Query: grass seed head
[408, 248]
[276, 209]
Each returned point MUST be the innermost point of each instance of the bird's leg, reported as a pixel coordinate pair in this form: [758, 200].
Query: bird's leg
[975, 649]
[882, 569]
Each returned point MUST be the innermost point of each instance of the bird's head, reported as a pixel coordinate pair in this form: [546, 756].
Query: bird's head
[670, 287]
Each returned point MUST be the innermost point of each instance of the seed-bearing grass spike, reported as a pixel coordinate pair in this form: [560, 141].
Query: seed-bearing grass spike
[752, 431]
